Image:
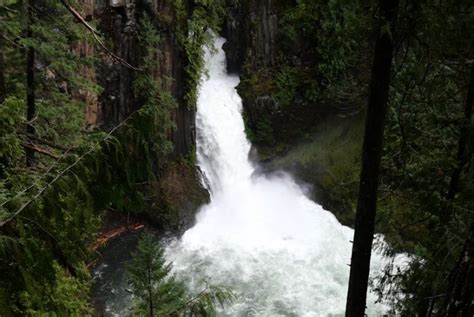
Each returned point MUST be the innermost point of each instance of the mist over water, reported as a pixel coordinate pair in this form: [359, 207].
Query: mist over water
[283, 254]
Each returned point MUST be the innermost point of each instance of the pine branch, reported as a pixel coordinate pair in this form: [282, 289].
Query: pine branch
[35, 183]
[188, 302]
[60, 174]
[56, 247]
[94, 33]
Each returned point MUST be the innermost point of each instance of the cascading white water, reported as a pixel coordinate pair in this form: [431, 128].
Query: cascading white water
[283, 254]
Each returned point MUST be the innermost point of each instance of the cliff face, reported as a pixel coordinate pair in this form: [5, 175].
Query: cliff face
[118, 22]
[251, 30]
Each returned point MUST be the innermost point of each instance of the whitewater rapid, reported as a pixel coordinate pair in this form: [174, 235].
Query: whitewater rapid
[283, 254]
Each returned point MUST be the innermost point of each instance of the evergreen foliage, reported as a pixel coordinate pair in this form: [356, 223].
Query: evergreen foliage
[425, 126]
[325, 46]
[158, 293]
[51, 212]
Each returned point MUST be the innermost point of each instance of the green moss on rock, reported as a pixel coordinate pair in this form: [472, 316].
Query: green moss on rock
[174, 199]
[328, 160]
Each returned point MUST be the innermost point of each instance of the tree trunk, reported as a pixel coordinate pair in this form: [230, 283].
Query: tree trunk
[3, 96]
[463, 154]
[30, 85]
[150, 292]
[371, 157]
[460, 292]
[3, 89]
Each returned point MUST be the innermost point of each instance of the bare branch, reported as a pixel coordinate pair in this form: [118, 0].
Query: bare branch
[37, 149]
[94, 33]
[9, 9]
[48, 143]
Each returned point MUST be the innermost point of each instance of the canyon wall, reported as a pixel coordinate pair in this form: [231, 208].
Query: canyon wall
[169, 205]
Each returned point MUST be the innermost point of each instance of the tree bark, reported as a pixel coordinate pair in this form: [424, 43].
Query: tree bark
[3, 88]
[30, 85]
[458, 301]
[3, 96]
[463, 154]
[371, 158]
[150, 292]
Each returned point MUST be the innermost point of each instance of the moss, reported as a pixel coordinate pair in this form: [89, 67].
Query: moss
[329, 160]
[173, 200]
[256, 83]
[4, 303]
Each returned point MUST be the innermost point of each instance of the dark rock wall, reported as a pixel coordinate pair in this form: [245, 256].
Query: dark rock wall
[233, 30]
[251, 29]
[174, 197]
[117, 101]
[118, 21]
[263, 27]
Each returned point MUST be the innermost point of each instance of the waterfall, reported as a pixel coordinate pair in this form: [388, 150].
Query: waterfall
[283, 254]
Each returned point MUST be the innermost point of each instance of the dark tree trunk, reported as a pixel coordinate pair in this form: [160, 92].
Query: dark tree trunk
[3, 89]
[463, 154]
[460, 292]
[30, 86]
[371, 157]
[3, 96]
[150, 292]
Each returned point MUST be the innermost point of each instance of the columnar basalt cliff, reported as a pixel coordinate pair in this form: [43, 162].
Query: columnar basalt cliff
[251, 30]
[118, 21]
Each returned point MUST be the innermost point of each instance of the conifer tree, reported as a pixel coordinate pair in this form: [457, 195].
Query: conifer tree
[159, 293]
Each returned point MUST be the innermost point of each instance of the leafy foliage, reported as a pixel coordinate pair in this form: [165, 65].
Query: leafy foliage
[326, 37]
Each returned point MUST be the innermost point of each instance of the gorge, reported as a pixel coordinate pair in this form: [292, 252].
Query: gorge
[161, 157]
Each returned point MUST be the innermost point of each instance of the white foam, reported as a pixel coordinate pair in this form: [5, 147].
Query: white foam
[282, 253]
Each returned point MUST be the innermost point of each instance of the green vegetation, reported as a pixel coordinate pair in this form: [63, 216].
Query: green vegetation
[206, 17]
[52, 200]
[158, 293]
[318, 86]
[329, 159]
[304, 111]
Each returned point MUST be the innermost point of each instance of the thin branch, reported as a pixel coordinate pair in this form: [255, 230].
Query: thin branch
[9, 9]
[64, 171]
[48, 143]
[35, 183]
[94, 33]
[187, 303]
[12, 41]
[57, 248]
[37, 149]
